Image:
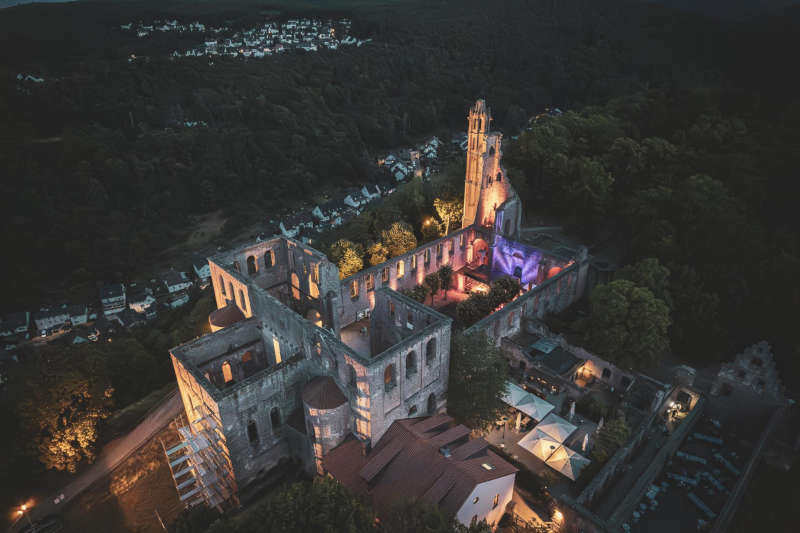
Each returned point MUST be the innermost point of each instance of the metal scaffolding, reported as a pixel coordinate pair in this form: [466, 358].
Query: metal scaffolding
[200, 465]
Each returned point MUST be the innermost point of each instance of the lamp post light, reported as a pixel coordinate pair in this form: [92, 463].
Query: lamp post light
[23, 512]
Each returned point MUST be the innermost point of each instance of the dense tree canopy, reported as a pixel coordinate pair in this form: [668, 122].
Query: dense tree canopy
[627, 325]
[478, 373]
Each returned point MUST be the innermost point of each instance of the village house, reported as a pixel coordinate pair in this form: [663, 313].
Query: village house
[17, 323]
[112, 298]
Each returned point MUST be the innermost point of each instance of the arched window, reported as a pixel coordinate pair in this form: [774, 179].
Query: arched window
[351, 376]
[431, 404]
[227, 372]
[491, 150]
[430, 351]
[389, 380]
[221, 285]
[244, 302]
[401, 269]
[295, 286]
[236, 266]
[275, 418]
[411, 364]
[251, 265]
[252, 433]
[269, 259]
[499, 176]
[313, 288]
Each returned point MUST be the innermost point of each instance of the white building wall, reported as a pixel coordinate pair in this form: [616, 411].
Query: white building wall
[484, 508]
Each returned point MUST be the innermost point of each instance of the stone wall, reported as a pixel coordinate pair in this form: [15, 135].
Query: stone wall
[552, 296]
[358, 291]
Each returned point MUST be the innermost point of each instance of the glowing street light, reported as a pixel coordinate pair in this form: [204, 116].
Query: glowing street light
[23, 512]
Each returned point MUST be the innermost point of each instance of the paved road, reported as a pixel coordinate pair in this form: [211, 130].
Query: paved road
[114, 453]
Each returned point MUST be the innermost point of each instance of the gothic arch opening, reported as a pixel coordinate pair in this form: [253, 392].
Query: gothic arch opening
[411, 364]
[295, 286]
[227, 372]
[431, 407]
[269, 259]
[351, 376]
[251, 265]
[313, 288]
[252, 433]
[389, 379]
[244, 302]
[314, 316]
[430, 351]
[480, 252]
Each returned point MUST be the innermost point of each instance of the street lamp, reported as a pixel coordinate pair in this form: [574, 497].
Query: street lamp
[22, 512]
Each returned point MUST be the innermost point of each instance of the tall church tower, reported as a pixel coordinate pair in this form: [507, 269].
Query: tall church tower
[477, 128]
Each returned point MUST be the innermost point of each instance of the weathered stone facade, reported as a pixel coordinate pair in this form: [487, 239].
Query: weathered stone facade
[308, 359]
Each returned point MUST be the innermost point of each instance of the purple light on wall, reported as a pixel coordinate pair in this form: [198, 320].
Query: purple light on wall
[515, 259]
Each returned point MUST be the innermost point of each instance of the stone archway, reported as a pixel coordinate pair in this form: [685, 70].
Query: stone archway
[480, 252]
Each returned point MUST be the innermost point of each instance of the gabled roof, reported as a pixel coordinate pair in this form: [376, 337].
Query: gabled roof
[407, 464]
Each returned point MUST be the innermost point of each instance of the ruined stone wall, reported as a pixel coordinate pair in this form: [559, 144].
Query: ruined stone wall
[552, 296]
[357, 298]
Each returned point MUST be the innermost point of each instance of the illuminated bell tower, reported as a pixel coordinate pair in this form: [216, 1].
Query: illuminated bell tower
[479, 117]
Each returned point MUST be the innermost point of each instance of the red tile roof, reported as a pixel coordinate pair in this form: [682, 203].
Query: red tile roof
[406, 465]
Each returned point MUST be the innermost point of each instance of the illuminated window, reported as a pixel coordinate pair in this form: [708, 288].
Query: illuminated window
[227, 373]
[389, 380]
[496, 501]
[427, 256]
[391, 309]
[354, 289]
[385, 275]
[244, 302]
[462, 241]
[414, 262]
[401, 269]
[295, 286]
[370, 282]
[313, 288]
[276, 346]
[221, 285]
[315, 271]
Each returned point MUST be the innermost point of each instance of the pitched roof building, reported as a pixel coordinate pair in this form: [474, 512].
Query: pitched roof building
[427, 460]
